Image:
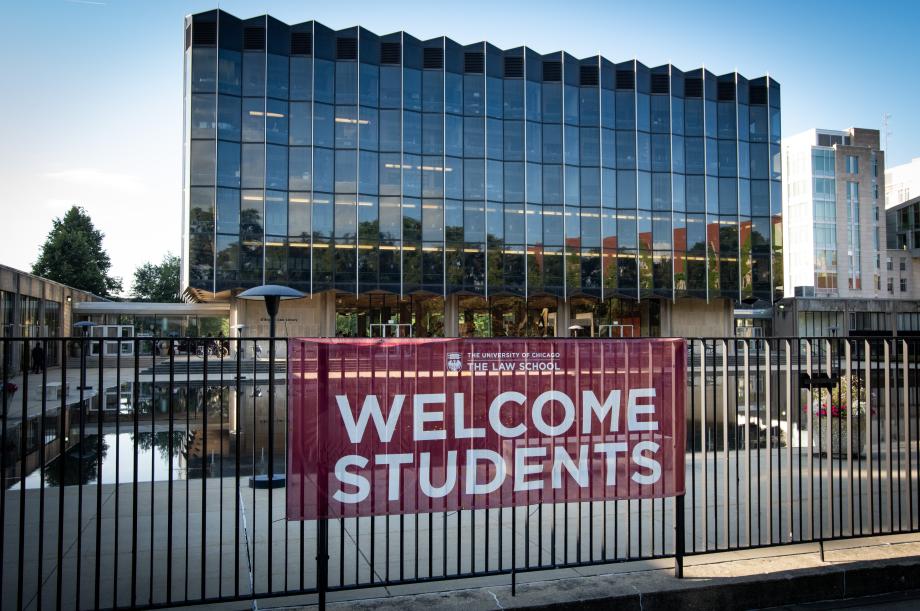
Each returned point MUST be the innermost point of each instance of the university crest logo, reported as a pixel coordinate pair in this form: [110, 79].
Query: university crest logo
[453, 361]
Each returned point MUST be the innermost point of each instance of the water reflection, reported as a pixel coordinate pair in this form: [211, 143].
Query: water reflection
[79, 464]
[213, 429]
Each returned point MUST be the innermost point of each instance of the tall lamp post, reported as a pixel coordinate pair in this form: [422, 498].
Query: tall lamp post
[84, 326]
[272, 294]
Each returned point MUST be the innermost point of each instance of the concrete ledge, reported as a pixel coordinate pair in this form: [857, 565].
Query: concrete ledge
[736, 580]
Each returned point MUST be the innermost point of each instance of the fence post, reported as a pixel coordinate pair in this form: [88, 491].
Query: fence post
[679, 543]
[322, 525]
[514, 551]
[322, 560]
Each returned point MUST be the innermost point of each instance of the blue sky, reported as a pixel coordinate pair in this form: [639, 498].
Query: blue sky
[92, 89]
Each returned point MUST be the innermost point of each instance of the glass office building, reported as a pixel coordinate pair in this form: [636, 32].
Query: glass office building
[400, 174]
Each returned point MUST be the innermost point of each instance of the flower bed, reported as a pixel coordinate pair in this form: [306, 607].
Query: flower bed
[838, 435]
[843, 403]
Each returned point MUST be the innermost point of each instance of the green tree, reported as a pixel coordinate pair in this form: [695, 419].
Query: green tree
[72, 254]
[157, 282]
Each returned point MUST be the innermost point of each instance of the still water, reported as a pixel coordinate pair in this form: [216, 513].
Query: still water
[185, 458]
[200, 445]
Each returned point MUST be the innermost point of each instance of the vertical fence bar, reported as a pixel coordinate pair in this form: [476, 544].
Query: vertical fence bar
[786, 378]
[692, 435]
[271, 456]
[236, 468]
[703, 447]
[41, 475]
[868, 443]
[8, 347]
[23, 441]
[799, 421]
[115, 581]
[187, 441]
[153, 445]
[888, 461]
[220, 498]
[100, 407]
[912, 456]
[135, 403]
[171, 406]
[896, 345]
[726, 454]
[322, 525]
[82, 450]
[859, 361]
[827, 476]
[780, 437]
[747, 441]
[202, 588]
[62, 449]
[768, 385]
[513, 551]
[878, 363]
[810, 422]
[284, 523]
[905, 407]
[851, 405]
[252, 538]
[838, 505]
[679, 540]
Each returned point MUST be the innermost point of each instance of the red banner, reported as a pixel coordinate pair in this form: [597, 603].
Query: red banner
[392, 426]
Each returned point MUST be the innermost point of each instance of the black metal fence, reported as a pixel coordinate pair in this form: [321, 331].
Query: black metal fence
[136, 474]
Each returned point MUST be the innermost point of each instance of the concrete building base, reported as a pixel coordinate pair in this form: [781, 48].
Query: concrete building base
[312, 316]
[697, 318]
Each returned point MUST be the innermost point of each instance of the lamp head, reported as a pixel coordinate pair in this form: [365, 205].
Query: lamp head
[272, 294]
[271, 290]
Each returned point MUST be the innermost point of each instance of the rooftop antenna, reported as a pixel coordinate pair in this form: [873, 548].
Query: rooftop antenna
[885, 119]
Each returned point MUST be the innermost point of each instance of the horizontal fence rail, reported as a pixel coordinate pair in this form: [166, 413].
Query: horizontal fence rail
[146, 472]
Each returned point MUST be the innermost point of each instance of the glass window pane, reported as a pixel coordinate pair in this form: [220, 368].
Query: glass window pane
[228, 117]
[276, 167]
[229, 71]
[228, 211]
[300, 172]
[202, 163]
[346, 168]
[276, 213]
[228, 164]
[300, 124]
[277, 86]
[203, 115]
[204, 69]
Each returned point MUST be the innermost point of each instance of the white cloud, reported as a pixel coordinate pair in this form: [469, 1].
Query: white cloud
[92, 177]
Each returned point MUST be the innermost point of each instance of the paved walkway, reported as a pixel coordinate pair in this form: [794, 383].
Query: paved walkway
[729, 580]
[205, 539]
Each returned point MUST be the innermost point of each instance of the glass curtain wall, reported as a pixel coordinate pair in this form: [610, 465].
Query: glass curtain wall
[824, 197]
[344, 160]
[6, 314]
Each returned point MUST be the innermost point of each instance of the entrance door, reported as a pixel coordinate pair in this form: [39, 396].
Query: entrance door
[370, 316]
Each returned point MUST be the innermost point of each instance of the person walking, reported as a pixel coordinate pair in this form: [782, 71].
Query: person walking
[38, 358]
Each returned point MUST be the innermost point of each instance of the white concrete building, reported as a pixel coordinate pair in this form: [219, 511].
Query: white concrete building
[834, 229]
[902, 182]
